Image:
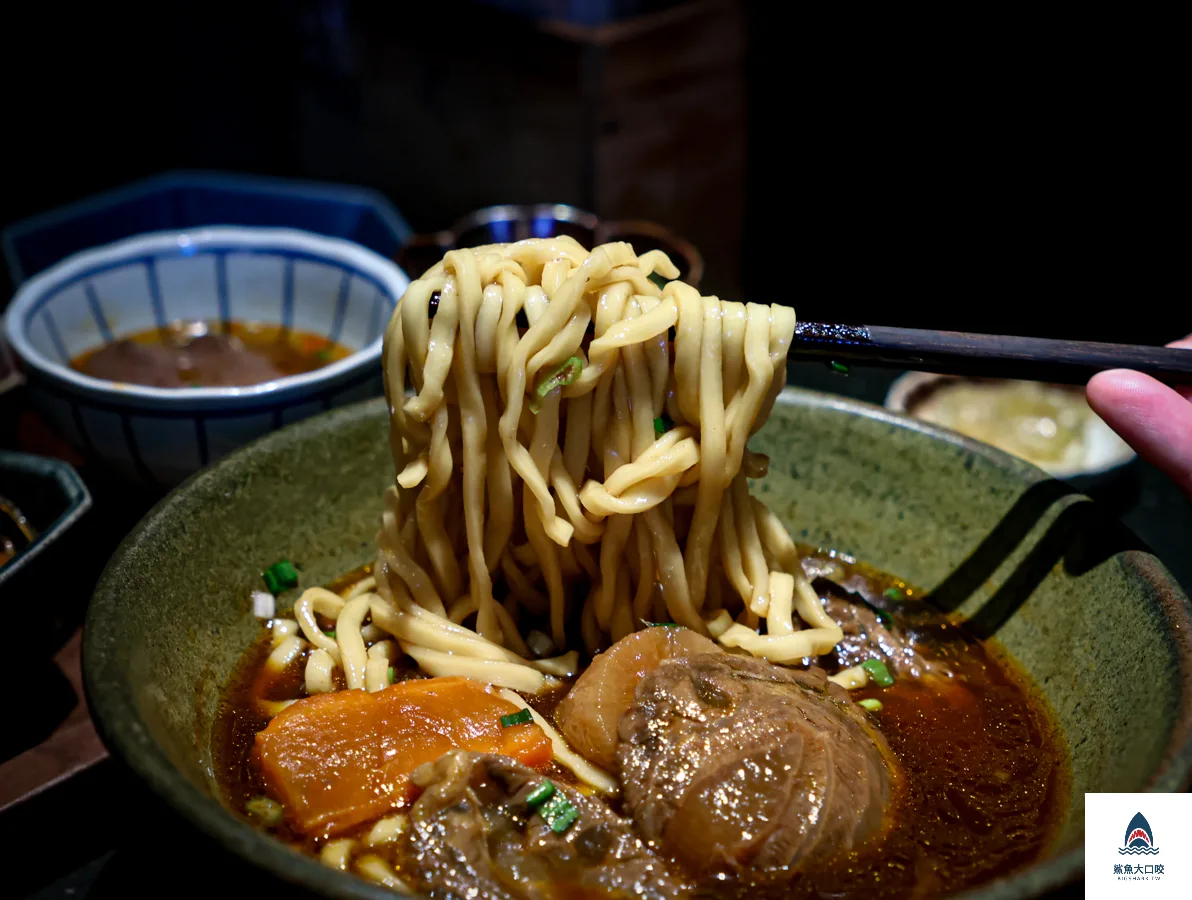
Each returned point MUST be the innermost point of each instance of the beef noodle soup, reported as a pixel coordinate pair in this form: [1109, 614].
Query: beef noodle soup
[587, 662]
[983, 775]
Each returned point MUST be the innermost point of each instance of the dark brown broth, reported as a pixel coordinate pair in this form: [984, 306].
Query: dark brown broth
[986, 774]
[199, 354]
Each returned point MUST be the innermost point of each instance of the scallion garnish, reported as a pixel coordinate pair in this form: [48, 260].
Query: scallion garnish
[540, 794]
[281, 576]
[564, 819]
[266, 810]
[662, 425]
[561, 375]
[878, 672]
[559, 814]
[330, 634]
[659, 280]
[392, 675]
[870, 704]
[838, 368]
[893, 593]
[521, 717]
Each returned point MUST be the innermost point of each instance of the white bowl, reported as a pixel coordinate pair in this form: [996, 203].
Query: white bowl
[326, 286]
[1105, 452]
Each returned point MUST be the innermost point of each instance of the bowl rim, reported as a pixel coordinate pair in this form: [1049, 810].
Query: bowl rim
[906, 387]
[184, 242]
[117, 717]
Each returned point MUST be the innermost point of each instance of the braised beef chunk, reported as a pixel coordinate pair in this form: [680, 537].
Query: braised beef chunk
[130, 361]
[591, 712]
[737, 767]
[866, 636]
[474, 835]
[875, 626]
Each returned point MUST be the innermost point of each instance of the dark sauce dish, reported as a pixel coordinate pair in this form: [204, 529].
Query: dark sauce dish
[52, 498]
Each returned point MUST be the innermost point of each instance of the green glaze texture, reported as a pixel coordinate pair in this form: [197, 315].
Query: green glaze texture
[1096, 621]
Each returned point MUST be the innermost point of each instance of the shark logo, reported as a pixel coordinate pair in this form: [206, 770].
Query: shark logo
[1139, 838]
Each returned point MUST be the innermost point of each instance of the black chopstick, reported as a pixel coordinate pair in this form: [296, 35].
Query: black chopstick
[983, 355]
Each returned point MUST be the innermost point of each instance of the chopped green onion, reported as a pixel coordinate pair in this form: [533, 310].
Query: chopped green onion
[662, 425]
[870, 704]
[264, 809]
[392, 675]
[878, 672]
[564, 819]
[559, 814]
[521, 717]
[659, 280]
[893, 593]
[540, 794]
[562, 375]
[330, 633]
[838, 368]
[280, 576]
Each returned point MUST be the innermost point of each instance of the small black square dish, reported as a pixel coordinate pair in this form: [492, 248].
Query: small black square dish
[41, 502]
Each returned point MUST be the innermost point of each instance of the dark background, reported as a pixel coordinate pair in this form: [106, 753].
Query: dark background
[994, 170]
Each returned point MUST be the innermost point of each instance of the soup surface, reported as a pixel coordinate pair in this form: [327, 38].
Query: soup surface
[210, 354]
[978, 771]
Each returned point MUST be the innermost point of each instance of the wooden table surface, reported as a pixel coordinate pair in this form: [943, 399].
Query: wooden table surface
[72, 746]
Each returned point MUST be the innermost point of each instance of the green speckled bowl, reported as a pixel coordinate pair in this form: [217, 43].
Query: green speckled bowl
[1097, 621]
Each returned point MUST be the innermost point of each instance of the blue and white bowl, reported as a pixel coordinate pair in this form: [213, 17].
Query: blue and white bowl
[321, 285]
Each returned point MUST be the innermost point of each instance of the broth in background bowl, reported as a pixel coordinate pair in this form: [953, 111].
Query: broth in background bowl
[210, 354]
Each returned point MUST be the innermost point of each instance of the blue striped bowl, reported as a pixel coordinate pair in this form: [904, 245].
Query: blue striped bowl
[158, 436]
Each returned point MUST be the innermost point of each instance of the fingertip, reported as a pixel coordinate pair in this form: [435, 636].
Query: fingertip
[1153, 418]
[1112, 391]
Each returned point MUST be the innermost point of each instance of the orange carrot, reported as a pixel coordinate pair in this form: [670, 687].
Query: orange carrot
[338, 760]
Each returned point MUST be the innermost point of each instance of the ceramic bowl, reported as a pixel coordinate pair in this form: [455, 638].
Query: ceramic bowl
[1106, 453]
[1096, 620]
[158, 436]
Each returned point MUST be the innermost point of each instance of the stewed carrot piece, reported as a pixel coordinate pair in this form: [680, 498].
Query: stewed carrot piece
[338, 760]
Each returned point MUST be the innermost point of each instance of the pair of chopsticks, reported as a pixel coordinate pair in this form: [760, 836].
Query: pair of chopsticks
[983, 355]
